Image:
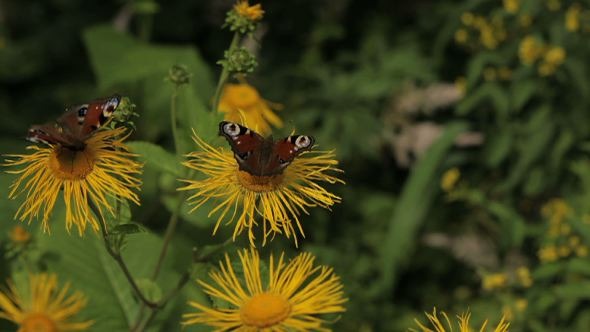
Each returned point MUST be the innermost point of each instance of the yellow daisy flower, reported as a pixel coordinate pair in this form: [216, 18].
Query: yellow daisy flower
[253, 13]
[295, 293]
[242, 104]
[463, 323]
[102, 172]
[277, 200]
[43, 307]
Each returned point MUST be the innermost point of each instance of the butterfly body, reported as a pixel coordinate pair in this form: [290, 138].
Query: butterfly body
[261, 156]
[76, 125]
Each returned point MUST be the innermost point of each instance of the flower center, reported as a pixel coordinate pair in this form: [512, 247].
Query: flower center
[37, 322]
[260, 183]
[265, 310]
[71, 165]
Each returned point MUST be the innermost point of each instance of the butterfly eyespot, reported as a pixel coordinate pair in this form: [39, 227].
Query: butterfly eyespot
[231, 129]
[243, 156]
[110, 106]
[302, 142]
[82, 111]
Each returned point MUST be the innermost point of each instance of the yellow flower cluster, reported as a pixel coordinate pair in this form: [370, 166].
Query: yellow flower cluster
[494, 281]
[551, 57]
[449, 179]
[490, 32]
[572, 17]
[511, 6]
[562, 241]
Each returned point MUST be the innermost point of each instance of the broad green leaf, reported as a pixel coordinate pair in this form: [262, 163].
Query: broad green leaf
[413, 205]
[118, 58]
[156, 156]
[85, 263]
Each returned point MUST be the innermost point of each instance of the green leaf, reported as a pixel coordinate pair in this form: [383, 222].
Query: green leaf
[118, 58]
[156, 156]
[150, 289]
[498, 147]
[131, 228]
[85, 263]
[487, 92]
[413, 205]
[521, 92]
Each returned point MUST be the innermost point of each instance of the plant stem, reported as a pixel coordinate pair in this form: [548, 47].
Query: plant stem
[224, 74]
[119, 259]
[173, 119]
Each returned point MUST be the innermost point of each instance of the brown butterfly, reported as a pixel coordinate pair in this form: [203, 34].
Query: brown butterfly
[262, 156]
[76, 125]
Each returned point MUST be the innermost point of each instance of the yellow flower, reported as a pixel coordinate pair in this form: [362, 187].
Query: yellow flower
[276, 200]
[511, 6]
[525, 20]
[556, 210]
[555, 55]
[530, 50]
[19, 235]
[548, 254]
[524, 276]
[461, 85]
[43, 307]
[488, 37]
[461, 36]
[102, 172]
[494, 281]
[463, 323]
[289, 298]
[450, 179]
[582, 251]
[253, 13]
[572, 17]
[243, 104]
[521, 304]
[467, 18]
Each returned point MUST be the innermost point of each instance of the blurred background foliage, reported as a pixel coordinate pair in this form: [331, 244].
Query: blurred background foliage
[462, 127]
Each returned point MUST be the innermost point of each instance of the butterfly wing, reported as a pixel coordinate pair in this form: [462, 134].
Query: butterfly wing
[247, 146]
[95, 114]
[75, 125]
[285, 151]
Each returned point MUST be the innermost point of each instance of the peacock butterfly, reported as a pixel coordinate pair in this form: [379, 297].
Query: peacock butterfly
[262, 156]
[77, 124]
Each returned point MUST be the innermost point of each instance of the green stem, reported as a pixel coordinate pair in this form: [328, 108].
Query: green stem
[224, 74]
[119, 259]
[173, 119]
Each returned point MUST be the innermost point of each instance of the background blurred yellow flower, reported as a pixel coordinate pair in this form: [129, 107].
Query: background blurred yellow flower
[572, 17]
[287, 297]
[530, 50]
[43, 307]
[511, 6]
[253, 13]
[242, 104]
